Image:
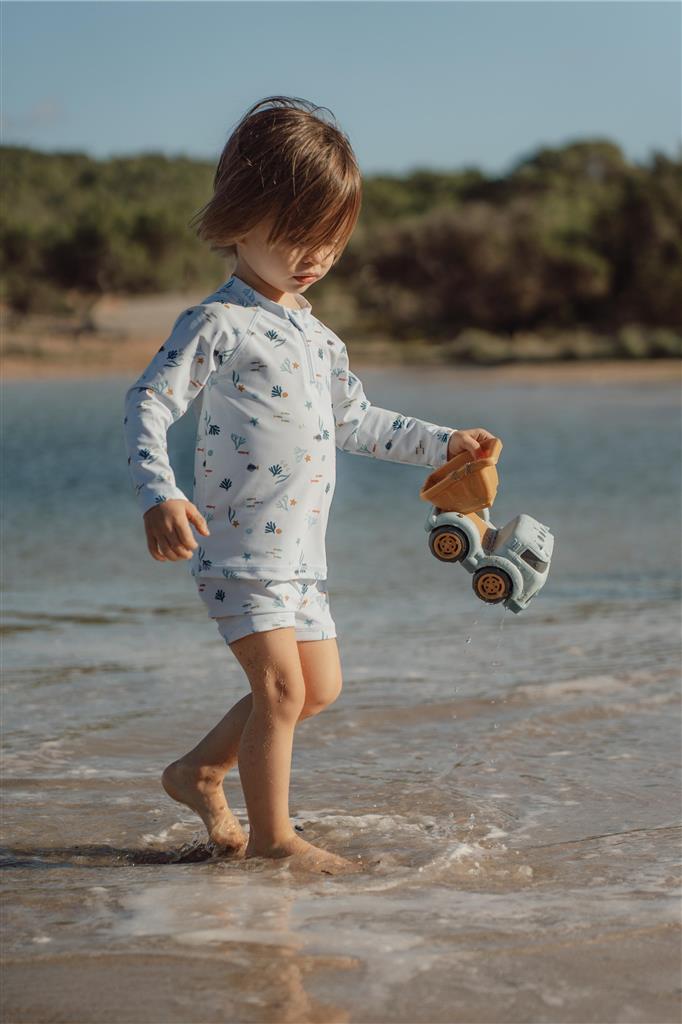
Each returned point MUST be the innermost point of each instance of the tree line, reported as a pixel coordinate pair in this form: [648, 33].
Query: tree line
[573, 242]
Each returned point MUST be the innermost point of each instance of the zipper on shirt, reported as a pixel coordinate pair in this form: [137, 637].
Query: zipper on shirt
[306, 346]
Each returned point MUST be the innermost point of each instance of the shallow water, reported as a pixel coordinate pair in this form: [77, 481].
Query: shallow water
[510, 783]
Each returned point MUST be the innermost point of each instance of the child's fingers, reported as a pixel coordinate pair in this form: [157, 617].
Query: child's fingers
[169, 537]
[182, 536]
[162, 543]
[467, 441]
[171, 545]
[195, 517]
[152, 544]
[165, 545]
[154, 550]
[182, 541]
[475, 438]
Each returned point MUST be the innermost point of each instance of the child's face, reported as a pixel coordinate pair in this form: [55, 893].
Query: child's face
[278, 266]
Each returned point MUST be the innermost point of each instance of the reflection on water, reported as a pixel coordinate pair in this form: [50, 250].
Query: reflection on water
[509, 784]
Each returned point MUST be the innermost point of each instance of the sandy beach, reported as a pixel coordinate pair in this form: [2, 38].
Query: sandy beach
[131, 329]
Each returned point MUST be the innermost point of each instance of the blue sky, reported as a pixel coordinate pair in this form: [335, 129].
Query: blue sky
[414, 84]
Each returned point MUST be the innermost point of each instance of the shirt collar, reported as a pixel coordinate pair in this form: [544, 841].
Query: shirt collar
[243, 295]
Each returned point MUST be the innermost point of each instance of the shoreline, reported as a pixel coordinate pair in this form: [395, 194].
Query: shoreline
[132, 363]
[130, 330]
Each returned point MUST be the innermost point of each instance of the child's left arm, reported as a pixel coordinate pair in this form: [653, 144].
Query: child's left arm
[366, 429]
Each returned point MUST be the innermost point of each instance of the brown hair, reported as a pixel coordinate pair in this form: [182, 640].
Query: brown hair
[284, 160]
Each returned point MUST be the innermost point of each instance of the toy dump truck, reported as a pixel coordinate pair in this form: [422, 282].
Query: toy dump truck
[509, 565]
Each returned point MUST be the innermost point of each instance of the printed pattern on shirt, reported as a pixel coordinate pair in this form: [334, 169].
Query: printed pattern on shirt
[274, 397]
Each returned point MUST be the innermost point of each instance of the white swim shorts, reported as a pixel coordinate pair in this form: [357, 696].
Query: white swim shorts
[243, 606]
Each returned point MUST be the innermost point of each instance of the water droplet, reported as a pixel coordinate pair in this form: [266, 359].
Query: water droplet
[468, 640]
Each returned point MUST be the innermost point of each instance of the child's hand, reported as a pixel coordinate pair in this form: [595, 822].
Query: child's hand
[169, 537]
[468, 440]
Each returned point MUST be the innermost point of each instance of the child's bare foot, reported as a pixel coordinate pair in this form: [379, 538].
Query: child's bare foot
[303, 854]
[202, 790]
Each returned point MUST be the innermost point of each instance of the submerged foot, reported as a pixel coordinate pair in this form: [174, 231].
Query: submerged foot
[202, 790]
[304, 855]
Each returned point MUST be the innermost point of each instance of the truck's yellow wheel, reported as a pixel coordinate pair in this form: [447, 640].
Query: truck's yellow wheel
[449, 544]
[492, 585]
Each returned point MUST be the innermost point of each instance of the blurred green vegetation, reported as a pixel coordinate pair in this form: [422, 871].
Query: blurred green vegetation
[575, 253]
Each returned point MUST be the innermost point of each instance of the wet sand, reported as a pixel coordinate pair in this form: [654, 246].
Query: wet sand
[210, 986]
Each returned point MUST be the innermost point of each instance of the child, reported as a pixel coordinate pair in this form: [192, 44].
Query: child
[274, 397]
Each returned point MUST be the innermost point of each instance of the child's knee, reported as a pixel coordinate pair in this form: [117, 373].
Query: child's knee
[280, 695]
[320, 697]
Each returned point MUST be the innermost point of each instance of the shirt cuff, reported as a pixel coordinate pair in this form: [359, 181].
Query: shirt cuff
[438, 453]
[156, 494]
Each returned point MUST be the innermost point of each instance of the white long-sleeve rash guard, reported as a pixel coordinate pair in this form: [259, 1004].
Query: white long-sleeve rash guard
[274, 399]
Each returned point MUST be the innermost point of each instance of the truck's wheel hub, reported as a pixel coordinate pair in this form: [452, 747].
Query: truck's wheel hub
[448, 545]
[491, 585]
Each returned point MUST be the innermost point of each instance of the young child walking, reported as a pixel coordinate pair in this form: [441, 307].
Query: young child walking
[274, 397]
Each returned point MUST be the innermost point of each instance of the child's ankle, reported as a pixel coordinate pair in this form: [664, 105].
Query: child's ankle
[198, 771]
[268, 846]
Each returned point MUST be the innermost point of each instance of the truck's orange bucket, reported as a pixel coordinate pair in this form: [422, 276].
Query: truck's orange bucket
[467, 483]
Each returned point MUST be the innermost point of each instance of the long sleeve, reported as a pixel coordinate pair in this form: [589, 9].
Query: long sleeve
[366, 429]
[162, 393]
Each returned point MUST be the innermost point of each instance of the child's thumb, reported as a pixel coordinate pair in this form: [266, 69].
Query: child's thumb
[195, 517]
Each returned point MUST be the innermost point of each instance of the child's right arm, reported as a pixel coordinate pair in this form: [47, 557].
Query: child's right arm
[180, 369]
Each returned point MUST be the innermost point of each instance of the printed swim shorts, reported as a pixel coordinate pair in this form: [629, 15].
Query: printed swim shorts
[243, 606]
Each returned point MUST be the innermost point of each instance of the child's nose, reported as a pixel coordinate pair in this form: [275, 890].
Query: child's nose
[316, 259]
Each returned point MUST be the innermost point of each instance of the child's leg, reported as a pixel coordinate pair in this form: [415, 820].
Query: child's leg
[196, 778]
[272, 664]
